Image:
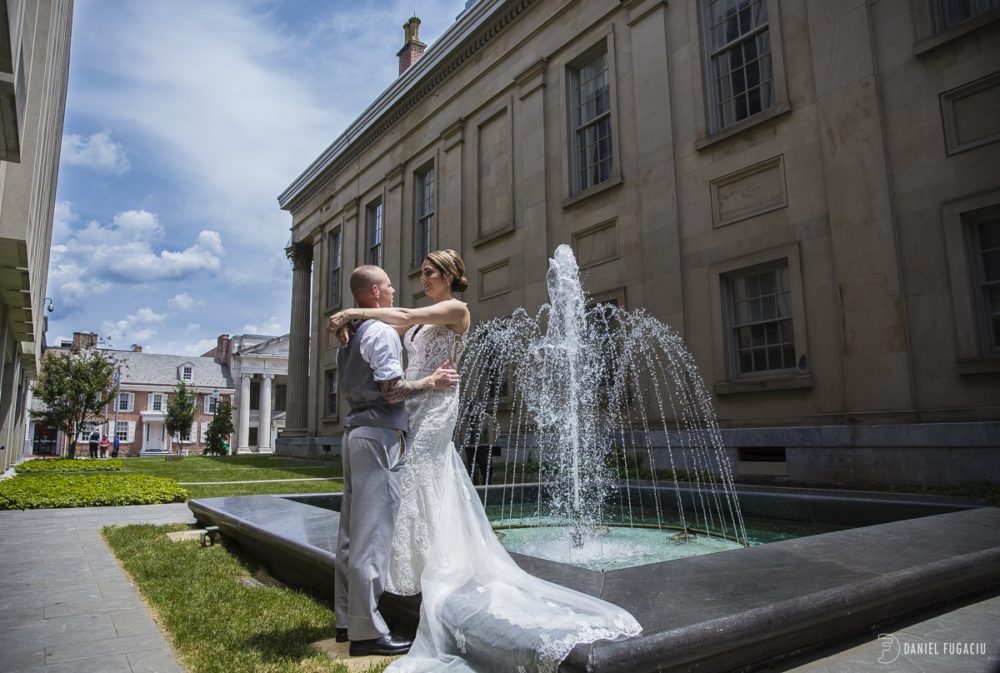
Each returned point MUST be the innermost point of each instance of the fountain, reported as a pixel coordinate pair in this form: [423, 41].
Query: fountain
[580, 390]
[595, 398]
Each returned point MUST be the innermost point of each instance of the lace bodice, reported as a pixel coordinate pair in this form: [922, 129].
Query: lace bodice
[428, 347]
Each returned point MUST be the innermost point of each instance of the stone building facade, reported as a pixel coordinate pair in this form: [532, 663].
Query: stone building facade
[807, 191]
[259, 367]
[34, 72]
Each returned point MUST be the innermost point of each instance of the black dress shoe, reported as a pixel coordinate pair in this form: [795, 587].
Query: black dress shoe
[386, 645]
[342, 636]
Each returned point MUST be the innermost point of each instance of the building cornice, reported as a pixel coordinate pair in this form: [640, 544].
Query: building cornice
[476, 28]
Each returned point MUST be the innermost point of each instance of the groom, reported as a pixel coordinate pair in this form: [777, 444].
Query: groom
[370, 372]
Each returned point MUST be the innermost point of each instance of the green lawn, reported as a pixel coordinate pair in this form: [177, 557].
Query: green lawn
[232, 468]
[217, 623]
[266, 488]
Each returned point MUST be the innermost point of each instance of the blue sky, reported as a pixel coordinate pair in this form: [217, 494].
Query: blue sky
[184, 121]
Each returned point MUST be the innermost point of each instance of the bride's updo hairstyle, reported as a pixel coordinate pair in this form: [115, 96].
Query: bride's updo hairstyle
[450, 262]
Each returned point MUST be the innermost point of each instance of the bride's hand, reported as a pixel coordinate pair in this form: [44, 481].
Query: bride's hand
[338, 325]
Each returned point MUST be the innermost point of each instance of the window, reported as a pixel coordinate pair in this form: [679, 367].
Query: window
[591, 122]
[737, 44]
[157, 402]
[126, 401]
[949, 13]
[423, 197]
[280, 394]
[604, 314]
[121, 431]
[85, 430]
[330, 398]
[211, 404]
[985, 239]
[255, 394]
[374, 227]
[333, 277]
[760, 322]
[187, 373]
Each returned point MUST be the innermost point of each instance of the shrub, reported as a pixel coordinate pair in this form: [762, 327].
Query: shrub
[68, 465]
[37, 491]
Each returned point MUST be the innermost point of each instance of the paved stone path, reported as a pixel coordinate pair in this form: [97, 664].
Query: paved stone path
[66, 605]
[964, 640]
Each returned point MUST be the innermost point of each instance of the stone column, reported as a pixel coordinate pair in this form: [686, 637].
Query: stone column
[297, 418]
[264, 430]
[243, 445]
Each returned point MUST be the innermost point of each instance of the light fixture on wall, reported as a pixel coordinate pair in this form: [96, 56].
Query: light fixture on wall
[49, 306]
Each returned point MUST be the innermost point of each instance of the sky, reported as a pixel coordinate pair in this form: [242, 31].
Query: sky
[184, 121]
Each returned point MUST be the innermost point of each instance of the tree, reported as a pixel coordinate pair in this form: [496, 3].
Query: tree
[75, 388]
[219, 429]
[181, 411]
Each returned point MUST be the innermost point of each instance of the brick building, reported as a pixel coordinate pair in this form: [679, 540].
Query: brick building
[136, 415]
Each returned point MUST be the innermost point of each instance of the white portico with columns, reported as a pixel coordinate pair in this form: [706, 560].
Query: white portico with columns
[259, 366]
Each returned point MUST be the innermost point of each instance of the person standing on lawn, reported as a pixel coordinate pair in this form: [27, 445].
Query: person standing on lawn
[104, 445]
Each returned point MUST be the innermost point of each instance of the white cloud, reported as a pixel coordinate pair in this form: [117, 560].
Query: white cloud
[271, 326]
[134, 328]
[62, 220]
[98, 152]
[185, 302]
[199, 347]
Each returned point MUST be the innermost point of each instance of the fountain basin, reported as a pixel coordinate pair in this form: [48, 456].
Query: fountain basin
[713, 612]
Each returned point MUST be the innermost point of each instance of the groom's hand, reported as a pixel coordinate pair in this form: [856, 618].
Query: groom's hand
[444, 377]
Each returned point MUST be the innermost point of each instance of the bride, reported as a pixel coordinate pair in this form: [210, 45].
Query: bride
[479, 611]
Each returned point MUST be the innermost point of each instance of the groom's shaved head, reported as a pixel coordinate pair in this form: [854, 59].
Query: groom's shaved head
[363, 279]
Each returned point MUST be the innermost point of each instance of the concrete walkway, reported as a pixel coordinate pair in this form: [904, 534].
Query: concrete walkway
[66, 605]
[965, 639]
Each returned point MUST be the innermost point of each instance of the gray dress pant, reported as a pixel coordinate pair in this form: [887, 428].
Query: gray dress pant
[372, 458]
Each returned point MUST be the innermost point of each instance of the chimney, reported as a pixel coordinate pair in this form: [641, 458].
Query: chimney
[136, 348]
[413, 48]
[83, 341]
[222, 349]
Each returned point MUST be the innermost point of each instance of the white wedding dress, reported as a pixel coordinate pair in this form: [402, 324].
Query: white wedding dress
[480, 612]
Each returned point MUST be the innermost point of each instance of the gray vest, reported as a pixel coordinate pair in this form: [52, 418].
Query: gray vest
[358, 386]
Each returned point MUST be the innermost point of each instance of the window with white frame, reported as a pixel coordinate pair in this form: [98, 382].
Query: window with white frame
[333, 272]
[423, 224]
[591, 121]
[121, 430]
[186, 434]
[984, 235]
[126, 401]
[760, 328]
[737, 43]
[211, 404]
[949, 13]
[187, 373]
[85, 430]
[157, 402]
[374, 226]
[330, 398]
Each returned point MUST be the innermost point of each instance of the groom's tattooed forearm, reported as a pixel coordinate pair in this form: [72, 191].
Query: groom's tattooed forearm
[442, 378]
[395, 390]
